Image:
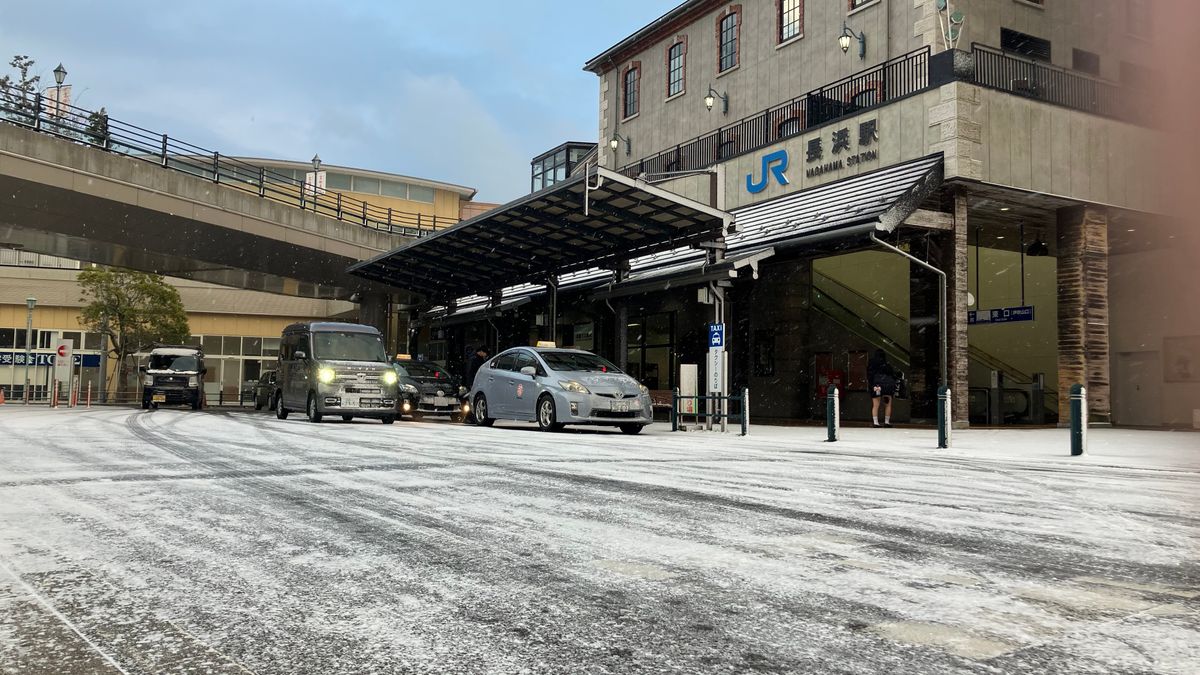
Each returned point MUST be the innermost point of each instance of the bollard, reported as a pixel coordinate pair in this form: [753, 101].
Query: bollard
[89, 396]
[746, 412]
[1078, 419]
[832, 411]
[54, 394]
[675, 409]
[943, 417]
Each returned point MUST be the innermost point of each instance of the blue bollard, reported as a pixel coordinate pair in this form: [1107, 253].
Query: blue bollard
[943, 417]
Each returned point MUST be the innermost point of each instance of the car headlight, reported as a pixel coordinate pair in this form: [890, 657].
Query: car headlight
[148, 381]
[326, 375]
[193, 381]
[644, 388]
[573, 386]
[462, 390]
[411, 389]
[389, 377]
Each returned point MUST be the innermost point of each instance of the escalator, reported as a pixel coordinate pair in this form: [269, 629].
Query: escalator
[885, 329]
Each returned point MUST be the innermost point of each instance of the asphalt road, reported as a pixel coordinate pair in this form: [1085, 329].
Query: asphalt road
[216, 542]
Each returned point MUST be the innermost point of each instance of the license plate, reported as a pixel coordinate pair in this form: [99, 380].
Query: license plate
[159, 398]
[619, 406]
[349, 401]
[440, 401]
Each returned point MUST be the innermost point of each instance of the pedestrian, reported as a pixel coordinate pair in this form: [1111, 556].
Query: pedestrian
[882, 378]
[474, 363]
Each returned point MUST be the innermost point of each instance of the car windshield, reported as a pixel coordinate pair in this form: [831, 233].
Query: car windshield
[348, 347]
[578, 362]
[423, 370]
[174, 362]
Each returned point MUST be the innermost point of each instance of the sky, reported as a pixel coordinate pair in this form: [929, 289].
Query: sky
[466, 93]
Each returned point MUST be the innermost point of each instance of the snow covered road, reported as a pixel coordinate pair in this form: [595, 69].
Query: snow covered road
[231, 542]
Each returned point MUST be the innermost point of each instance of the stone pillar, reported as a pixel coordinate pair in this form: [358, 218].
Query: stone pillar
[954, 263]
[1083, 344]
[372, 311]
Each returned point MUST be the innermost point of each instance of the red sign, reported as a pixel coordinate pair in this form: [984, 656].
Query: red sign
[62, 350]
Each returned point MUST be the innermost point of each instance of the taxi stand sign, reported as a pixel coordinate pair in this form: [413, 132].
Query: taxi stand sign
[716, 358]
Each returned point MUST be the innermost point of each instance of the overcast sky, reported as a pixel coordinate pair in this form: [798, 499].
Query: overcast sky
[463, 92]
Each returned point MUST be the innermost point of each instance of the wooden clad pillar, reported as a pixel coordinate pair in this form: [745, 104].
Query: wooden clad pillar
[1083, 341]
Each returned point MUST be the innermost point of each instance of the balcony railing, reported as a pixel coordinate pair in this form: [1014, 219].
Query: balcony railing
[889, 81]
[1018, 75]
[98, 130]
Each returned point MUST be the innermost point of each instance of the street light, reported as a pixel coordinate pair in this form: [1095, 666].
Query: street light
[616, 141]
[60, 74]
[29, 303]
[847, 35]
[711, 99]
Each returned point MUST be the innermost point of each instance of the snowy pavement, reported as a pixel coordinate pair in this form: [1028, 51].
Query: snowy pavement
[230, 542]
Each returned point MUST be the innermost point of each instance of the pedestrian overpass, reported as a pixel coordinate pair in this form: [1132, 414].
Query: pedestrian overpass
[85, 186]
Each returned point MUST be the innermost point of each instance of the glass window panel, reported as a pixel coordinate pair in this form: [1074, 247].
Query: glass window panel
[560, 174]
[270, 346]
[19, 338]
[729, 42]
[251, 369]
[211, 344]
[420, 193]
[790, 14]
[90, 341]
[193, 340]
[657, 368]
[252, 346]
[337, 181]
[8, 337]
[395, 189]
[43, 338]
[369, 186]
[658, 329]
[537, 182]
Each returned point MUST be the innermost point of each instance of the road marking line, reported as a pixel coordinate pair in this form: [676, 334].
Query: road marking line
[61, 617]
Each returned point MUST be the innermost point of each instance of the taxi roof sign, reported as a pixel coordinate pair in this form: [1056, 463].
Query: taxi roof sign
[404, 357]
[546, 344]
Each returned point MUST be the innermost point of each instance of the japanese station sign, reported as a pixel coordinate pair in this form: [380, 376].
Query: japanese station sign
[1003, 315]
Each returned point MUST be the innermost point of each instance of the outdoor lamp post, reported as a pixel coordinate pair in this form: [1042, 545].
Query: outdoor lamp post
[711, 99]
[29, 303]
[616, 142]
[847, 36]
[60, 74]
[316, 165]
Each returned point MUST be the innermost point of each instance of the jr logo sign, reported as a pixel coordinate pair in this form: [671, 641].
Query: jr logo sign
[775, 163]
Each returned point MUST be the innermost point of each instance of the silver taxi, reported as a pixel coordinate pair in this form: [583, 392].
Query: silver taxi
[555, 387]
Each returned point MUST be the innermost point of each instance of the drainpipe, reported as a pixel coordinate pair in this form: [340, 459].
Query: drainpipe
[942, 312]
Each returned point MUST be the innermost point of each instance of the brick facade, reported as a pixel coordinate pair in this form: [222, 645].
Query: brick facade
[1083, 340]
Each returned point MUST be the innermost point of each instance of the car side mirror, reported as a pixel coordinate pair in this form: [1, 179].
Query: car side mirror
[529, 370]
[301, 356]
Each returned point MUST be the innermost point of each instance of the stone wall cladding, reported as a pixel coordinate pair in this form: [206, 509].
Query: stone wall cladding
[1083, 335]
[956, 122]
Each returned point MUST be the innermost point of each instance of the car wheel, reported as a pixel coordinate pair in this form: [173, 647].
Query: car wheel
[347, 418]
[481, 412]
[197, 401]
[388, 420]
[258, 403]
[280, 411]
[632, 429]
[547, 416]
[314, 415]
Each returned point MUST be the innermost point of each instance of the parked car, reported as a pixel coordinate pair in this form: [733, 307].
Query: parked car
[263, 389]
[436, 391]
[173, 375]
[555, 387]
[328, 368]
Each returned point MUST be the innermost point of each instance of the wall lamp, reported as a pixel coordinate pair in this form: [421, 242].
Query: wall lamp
[848, 35]
[711, 99]
[616, 141]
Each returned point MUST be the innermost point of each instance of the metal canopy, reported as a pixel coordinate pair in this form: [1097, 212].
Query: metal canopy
[595, 220]
[852, 207]
[683, 274]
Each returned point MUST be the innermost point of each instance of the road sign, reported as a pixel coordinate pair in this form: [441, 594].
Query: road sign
[716, 335]
[716, 370]
[63, 360]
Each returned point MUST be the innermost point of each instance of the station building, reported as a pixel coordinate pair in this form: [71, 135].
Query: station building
[238, 329]
[864, 151]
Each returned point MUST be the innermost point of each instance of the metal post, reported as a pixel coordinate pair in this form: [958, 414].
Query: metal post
[1039, 398]
[745, 411]
[996, 399]
[164, 150]
[216, 167]
[1078, 419]
[833, 415]
[675, 409]
[104, 358]
[262, 182]
[89, 396]
[29, 303]
[943, 417]
[37, 110]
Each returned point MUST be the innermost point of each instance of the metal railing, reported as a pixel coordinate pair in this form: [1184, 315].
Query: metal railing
[98, 130]
[891, 80]
[1026, 77]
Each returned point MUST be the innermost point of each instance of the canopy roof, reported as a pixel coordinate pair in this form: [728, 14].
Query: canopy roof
[596, 220]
